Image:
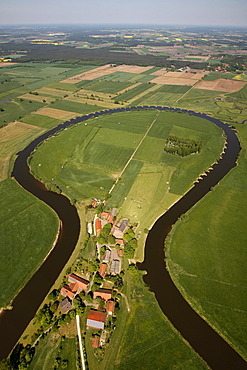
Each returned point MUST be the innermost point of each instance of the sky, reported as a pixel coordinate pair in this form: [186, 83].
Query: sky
[159, 12]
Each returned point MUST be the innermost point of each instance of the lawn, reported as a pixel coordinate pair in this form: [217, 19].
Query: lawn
[28, 230]
[207, 254]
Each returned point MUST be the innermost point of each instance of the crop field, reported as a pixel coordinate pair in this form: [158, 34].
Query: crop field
[23, 218]
[41, 121]
[107, 86]
[133, 92]
[221, 85]
[15, 110]
[208, 235]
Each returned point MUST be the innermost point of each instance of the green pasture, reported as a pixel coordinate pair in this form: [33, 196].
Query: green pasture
[71, 106]
[41, 121]
[143, 338]
[110, 87]
[28, 230]
[17, 109]
[165, 95]
[207, 254]
[133, 92]
[52, 346]
[118, 77]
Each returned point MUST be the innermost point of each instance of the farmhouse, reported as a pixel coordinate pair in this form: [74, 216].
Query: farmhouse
[77, 284]
[96, 319]
[102, 293]
[115, 267]
[79, 280]
[68, 291]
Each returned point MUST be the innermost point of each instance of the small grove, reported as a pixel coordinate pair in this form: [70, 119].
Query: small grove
[182, 146]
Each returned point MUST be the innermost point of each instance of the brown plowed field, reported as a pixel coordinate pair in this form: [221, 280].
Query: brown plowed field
[221, 84]
[14, 130]
[160, 72]
[56, 113]
[131, 69]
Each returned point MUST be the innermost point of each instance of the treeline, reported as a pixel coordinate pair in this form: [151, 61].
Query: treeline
[182, 146]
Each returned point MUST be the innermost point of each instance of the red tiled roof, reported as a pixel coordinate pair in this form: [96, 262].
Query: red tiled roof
[66, 292]
[97, 316]
[98, 226]
[110, 220]
[95, 343]
[110, 306]
[102, 270]
[81, 282]
[103, 293]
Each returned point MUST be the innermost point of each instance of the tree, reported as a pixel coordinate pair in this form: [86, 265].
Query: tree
[53, 294]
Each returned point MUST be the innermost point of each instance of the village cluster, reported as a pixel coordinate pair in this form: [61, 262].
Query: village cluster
[110, 254]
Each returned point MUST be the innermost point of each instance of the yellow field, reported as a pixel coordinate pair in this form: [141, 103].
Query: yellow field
[221, 84]
[56, 113]
[14, 130]
[54, 92]
[165, 80]
[38, 98]
[90, 75]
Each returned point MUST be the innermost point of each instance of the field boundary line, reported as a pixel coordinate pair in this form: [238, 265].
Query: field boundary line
[181, 97]
[153, 88]
[132, 155]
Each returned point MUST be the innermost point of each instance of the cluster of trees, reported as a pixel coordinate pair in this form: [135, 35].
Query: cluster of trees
[131, 243]
[182, 146]
[105, 237]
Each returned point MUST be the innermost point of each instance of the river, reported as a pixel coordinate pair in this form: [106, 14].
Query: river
[206, 342]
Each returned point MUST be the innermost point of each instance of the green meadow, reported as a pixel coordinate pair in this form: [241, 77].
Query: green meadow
[207, 254]
[28, 229]
[90, 157]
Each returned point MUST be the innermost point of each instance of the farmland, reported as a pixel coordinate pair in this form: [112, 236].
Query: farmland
[85, 161]
[28, 229]
[221, 236]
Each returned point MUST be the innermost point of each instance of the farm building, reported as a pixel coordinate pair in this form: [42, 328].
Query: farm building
[102, 270]
[95, 343]
[110, 305]
[102, 293]
[79, 280]
[98, 226]
[65, 305]
[115, 267]
[68, 291]
[107, 256]
[96, 319]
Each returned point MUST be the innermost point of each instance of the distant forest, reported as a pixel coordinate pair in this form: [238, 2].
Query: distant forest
[92, 56]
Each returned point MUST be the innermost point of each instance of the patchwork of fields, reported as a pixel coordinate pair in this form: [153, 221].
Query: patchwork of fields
[86, 160]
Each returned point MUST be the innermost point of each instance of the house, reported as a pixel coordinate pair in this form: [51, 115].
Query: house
[95, 343]
[95, 203]
[102, 293]
[96, 319]
[110, 305]
[67, 291]
[102, 270]
[79, 280]
[65, 305]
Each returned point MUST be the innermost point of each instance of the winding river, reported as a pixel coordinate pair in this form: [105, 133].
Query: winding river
[206, 342]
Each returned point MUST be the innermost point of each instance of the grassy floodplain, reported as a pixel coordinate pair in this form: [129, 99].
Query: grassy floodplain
[28, 229]
[212, 232]
[89, 159]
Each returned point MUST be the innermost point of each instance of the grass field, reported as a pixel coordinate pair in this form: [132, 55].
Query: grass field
[144, 338]
[28, 229]
[52, 346]
[133, 92]
[208, 236]
[16, 110]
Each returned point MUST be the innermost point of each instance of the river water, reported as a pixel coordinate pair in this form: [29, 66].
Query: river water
[206, 342]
